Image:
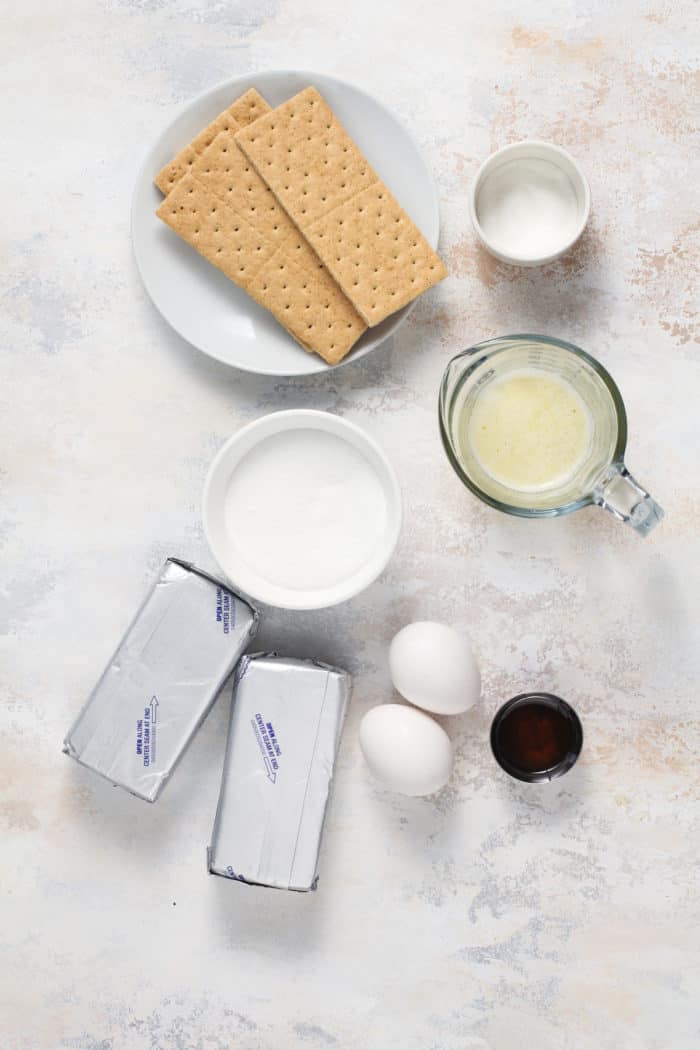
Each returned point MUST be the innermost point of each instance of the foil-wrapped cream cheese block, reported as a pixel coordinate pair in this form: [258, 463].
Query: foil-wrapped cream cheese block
[286, 721]
[162, 681]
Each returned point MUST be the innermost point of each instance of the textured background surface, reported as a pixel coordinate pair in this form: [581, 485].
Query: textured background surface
[495, 914]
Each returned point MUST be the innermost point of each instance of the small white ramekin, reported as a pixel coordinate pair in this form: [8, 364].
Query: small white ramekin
[242, 575]
[532, 149]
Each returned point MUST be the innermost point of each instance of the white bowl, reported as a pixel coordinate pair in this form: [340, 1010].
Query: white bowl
[245, 576]
[521, 215]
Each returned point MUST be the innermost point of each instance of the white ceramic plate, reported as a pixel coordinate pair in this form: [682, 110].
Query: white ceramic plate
[200, 303]
[242, 573]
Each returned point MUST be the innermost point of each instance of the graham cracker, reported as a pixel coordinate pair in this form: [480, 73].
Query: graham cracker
[369, 244]
[216, 231]
[309, 304]
[378, 257]
[248, 107]
[280, 271]
[228, 174]
[242, 112]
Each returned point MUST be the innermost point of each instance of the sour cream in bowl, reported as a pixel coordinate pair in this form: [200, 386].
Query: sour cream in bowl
[302, 509]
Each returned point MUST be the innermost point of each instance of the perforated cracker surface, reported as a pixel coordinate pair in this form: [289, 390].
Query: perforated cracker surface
[281, 271]
[310, 306]
[376, 253]
[228, 174]
[306, 157]
[216, 231]
[330, 191]
[248, 108]
[242, 112]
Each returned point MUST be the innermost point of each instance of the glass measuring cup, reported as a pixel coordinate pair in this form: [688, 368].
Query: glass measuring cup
[600, 477]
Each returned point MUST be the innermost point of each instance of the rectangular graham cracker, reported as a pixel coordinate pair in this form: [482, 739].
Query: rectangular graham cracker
[227, 174]
[224, 210]
[358, 229]
[217, 232]
[242, 112]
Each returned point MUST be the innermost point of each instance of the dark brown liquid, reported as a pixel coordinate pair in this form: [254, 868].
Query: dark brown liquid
[534, 737]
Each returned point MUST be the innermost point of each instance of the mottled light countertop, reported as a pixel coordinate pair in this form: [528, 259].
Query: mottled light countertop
[494, 915]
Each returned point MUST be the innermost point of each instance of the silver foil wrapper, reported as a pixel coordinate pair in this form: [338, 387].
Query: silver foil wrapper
[286, 720]
[160, 684]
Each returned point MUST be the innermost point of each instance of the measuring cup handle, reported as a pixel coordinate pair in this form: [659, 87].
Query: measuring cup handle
[625, 498]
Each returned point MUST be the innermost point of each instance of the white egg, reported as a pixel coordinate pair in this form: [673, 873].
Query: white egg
[406, 749]
[434, 667]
